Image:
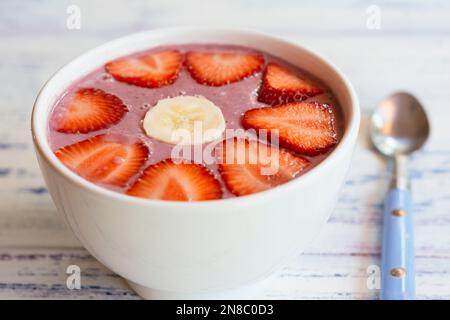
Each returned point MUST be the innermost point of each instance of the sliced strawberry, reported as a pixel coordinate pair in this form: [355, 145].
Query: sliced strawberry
[303, 127]
[280, 86]
[89, 110]
[184, 181]
[108, 160]
[220, 68]
[150, 70]
[249, 166]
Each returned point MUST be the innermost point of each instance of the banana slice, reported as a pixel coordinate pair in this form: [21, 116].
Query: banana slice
[184, 120]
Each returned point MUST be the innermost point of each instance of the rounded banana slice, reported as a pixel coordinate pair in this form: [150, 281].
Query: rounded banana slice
[184, 120]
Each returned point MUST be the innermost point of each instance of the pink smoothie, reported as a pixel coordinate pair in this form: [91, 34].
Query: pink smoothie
[233, 99]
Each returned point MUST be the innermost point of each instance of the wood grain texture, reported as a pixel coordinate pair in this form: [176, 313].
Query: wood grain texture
[410, 52]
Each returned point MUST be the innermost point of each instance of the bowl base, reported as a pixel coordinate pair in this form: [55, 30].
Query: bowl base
[248, 292]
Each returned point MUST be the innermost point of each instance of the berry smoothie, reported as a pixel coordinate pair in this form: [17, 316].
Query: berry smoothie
[112, 126]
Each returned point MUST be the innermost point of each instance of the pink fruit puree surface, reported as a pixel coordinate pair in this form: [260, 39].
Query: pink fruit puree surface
[233, 99]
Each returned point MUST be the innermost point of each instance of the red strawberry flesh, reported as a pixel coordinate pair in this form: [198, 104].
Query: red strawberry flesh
[248, 166]
[89, 110]
[108, 160]
[221, 68]
[183, 181]
[303, 127]
[281, 86]
[150, 70]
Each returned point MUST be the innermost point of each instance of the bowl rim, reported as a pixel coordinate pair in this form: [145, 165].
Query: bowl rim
[41, 144]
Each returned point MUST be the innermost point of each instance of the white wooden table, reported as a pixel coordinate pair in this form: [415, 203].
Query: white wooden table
[410, 51]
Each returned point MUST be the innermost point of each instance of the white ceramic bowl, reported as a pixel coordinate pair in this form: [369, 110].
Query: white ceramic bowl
[179, 249]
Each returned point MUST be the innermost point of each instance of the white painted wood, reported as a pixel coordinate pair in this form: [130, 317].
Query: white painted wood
[411, 51]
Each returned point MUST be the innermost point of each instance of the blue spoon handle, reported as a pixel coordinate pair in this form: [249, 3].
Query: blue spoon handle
[397, 265]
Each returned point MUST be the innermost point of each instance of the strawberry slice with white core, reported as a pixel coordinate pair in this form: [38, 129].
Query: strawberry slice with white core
[303, 127]
[89, 110]
[152, 70]
[248, 166]
[280, 86]
[108, 160]
[221, 68]
[177, 181]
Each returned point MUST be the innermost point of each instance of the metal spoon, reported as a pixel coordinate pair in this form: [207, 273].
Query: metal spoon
[399, 126]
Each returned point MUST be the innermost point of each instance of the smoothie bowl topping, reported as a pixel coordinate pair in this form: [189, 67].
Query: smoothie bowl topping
[194, 122]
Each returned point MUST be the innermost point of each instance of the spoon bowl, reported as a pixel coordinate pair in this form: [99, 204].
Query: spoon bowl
[399, 125]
